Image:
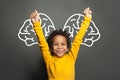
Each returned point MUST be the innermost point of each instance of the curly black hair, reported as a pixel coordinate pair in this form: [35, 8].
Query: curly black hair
[59, 32]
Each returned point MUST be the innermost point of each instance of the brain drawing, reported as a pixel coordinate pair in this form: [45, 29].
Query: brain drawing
[27, 34]
[72, 25]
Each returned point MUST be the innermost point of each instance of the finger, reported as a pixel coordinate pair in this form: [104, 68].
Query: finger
[90, 12]
[36, 12]
[86, 9]
[31, 16]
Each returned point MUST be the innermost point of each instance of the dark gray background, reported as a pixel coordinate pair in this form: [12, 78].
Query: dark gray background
[19, 62]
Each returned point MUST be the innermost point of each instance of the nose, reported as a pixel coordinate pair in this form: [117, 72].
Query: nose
[59, 46]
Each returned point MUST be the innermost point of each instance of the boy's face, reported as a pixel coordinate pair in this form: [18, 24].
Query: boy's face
[59, 46]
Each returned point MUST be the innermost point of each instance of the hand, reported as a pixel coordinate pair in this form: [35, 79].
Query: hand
[88, 12]
[35, 16]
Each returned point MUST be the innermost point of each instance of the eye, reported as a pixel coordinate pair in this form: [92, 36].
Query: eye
[55, 44]
[63, 44]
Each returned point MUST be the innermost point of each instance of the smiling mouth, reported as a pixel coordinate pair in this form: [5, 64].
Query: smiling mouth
[59, 51]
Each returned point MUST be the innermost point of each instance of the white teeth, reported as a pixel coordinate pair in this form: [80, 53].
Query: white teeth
[59, 51]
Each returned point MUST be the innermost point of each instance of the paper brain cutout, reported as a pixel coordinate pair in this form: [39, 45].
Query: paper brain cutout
[72, 25]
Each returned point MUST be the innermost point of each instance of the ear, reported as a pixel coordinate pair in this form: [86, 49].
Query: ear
[67, 50]
[50, 50]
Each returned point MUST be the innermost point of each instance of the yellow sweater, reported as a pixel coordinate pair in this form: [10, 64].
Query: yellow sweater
[61, 68]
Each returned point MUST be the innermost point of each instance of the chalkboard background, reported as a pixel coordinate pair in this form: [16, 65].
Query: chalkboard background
[99, 62]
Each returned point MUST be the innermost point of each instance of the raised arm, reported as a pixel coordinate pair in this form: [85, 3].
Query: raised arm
[84, 25]
[79, 37]
[38, 30]
[37, 27]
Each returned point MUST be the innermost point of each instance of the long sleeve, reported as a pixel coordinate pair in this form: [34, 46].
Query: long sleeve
[42, 41]
[79, 37]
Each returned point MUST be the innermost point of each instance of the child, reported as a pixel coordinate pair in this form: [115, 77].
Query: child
[59, 57]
